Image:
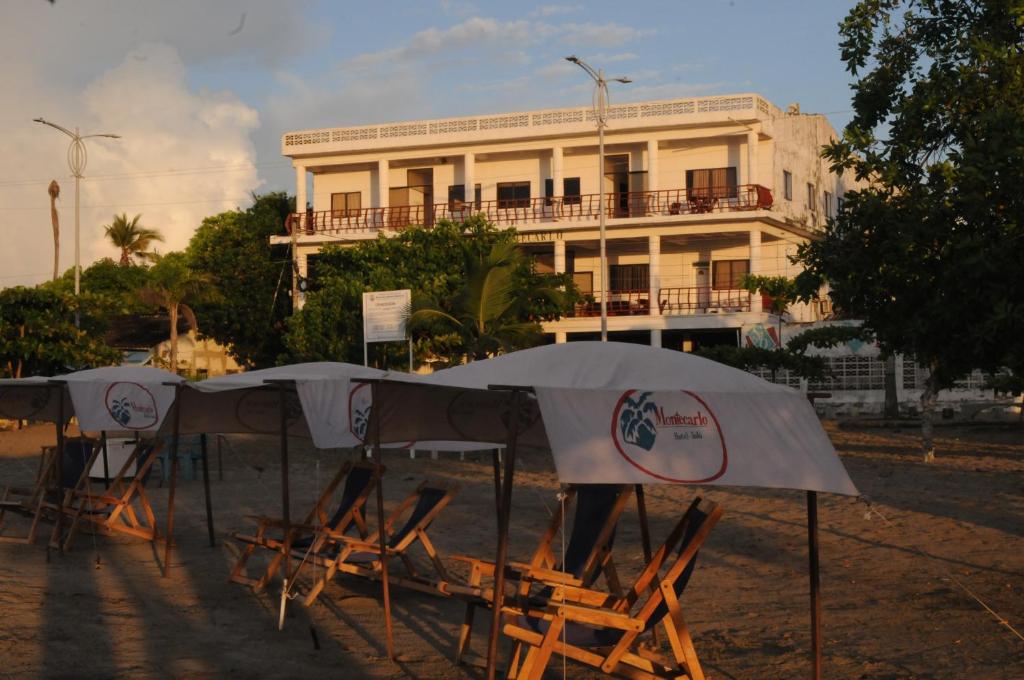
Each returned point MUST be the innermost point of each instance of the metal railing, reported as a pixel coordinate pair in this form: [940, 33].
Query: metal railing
[620, 303]
[702, 300]
[515, 212]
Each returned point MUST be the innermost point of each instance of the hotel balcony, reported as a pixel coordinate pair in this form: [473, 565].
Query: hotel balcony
[534, 211]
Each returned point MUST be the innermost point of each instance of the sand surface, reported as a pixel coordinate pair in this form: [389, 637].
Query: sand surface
[102, 610]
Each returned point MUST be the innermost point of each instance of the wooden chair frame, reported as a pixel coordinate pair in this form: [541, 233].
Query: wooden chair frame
[627, 657]
[540, 568]
[315, 525]
[29, 501]
[113, 510]
[417, 534]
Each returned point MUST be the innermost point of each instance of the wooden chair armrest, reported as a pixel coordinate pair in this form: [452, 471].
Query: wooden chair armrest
[550, 577]
[581, 614]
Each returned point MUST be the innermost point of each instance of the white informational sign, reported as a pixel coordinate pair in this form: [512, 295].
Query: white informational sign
[384, 315]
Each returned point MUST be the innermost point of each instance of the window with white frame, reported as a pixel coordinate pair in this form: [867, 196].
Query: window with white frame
[787, 185]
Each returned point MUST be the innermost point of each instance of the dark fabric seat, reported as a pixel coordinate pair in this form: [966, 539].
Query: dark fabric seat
[356, 482]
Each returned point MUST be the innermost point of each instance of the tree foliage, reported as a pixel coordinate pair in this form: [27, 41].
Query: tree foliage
[929, 254]
[38, 334]
[488, 315]
[253, 277]
[173, 285]
[133, 239]
[435, 263]
[113, 286]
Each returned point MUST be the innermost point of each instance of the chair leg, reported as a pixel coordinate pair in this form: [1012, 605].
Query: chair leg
[513, 661]
[465, 633]
[537, 658]
[679, 637]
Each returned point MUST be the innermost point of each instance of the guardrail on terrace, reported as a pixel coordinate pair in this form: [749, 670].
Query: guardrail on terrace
[532, 119]
[513, 212]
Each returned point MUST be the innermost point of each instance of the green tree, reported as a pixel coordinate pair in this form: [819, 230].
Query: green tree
[253, 277]
[115, 288]
[487, 313]
[781, 292]
[929, 253]
[433, 263]
[133, 239]
[172, 284]
[38, 334]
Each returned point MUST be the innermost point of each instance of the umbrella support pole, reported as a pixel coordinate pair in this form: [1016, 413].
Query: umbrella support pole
[503, 522]
[206, 489]
[815, 578]
[169, 539]
[381, 537]
[286, 548]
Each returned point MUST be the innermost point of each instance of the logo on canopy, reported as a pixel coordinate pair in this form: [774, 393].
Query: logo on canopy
[673, 437]
[131, 406]
[360, 405]
[23, 402]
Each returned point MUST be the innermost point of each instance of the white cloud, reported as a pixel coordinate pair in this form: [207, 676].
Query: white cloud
[553, 10]
[184, 154]
[609, 34]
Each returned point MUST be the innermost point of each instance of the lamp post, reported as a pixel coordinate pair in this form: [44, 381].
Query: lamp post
[600, 115]
[77, 158]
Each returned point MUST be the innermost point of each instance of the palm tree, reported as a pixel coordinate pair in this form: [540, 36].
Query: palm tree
[131, 238]
[54, 191]
[486, 315]
[172, 282]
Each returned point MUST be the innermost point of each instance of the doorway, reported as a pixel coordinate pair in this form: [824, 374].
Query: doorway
[413, 203]
[616, 183]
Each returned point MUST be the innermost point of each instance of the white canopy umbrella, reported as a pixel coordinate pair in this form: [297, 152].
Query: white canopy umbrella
[623, 413]
[107, 399]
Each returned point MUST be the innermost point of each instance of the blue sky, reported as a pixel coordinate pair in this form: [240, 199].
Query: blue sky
[203, 91]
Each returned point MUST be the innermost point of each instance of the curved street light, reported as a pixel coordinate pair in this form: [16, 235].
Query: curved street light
[601, 117]
[77, 159]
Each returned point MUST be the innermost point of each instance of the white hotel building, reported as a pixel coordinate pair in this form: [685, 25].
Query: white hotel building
[698, 192]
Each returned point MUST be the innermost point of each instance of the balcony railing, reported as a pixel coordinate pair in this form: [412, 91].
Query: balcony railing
[671, 302]
[515, 212]
[702, 300]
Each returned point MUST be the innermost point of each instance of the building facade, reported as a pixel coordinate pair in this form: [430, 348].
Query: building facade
[698, 192]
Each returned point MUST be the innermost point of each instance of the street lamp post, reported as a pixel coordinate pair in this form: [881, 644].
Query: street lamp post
[77, 158]
[601, 117]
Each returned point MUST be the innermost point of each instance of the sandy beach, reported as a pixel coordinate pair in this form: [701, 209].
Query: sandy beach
[103, 610]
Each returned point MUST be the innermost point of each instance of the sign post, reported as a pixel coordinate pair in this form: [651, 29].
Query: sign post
[384, 315]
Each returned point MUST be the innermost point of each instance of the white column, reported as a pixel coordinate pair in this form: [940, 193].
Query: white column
[560, 336]
[752, 142]
[654, 272]
[300, 188]
[469, 176]
[656, 337]
[383, 183]
[652, 165]
[755, 267]
[557, 179]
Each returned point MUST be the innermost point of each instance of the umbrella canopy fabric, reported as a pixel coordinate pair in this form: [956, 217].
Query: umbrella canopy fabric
[34, 398]
[622, 413]
[121, 398]
[250, 402]
[112, 398]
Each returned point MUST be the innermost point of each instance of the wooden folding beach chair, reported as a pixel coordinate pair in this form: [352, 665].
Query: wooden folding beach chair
[123, 506]
[362, 557]
[43, 500]
[309, 536]
[604, 631]
[587, 554]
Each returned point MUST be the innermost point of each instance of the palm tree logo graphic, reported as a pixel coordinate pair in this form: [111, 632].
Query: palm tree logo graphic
[360, 419]
[635, 425]
[121, 410]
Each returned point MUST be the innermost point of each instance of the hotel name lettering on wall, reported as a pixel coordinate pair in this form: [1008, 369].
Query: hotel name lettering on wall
[539, 236]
